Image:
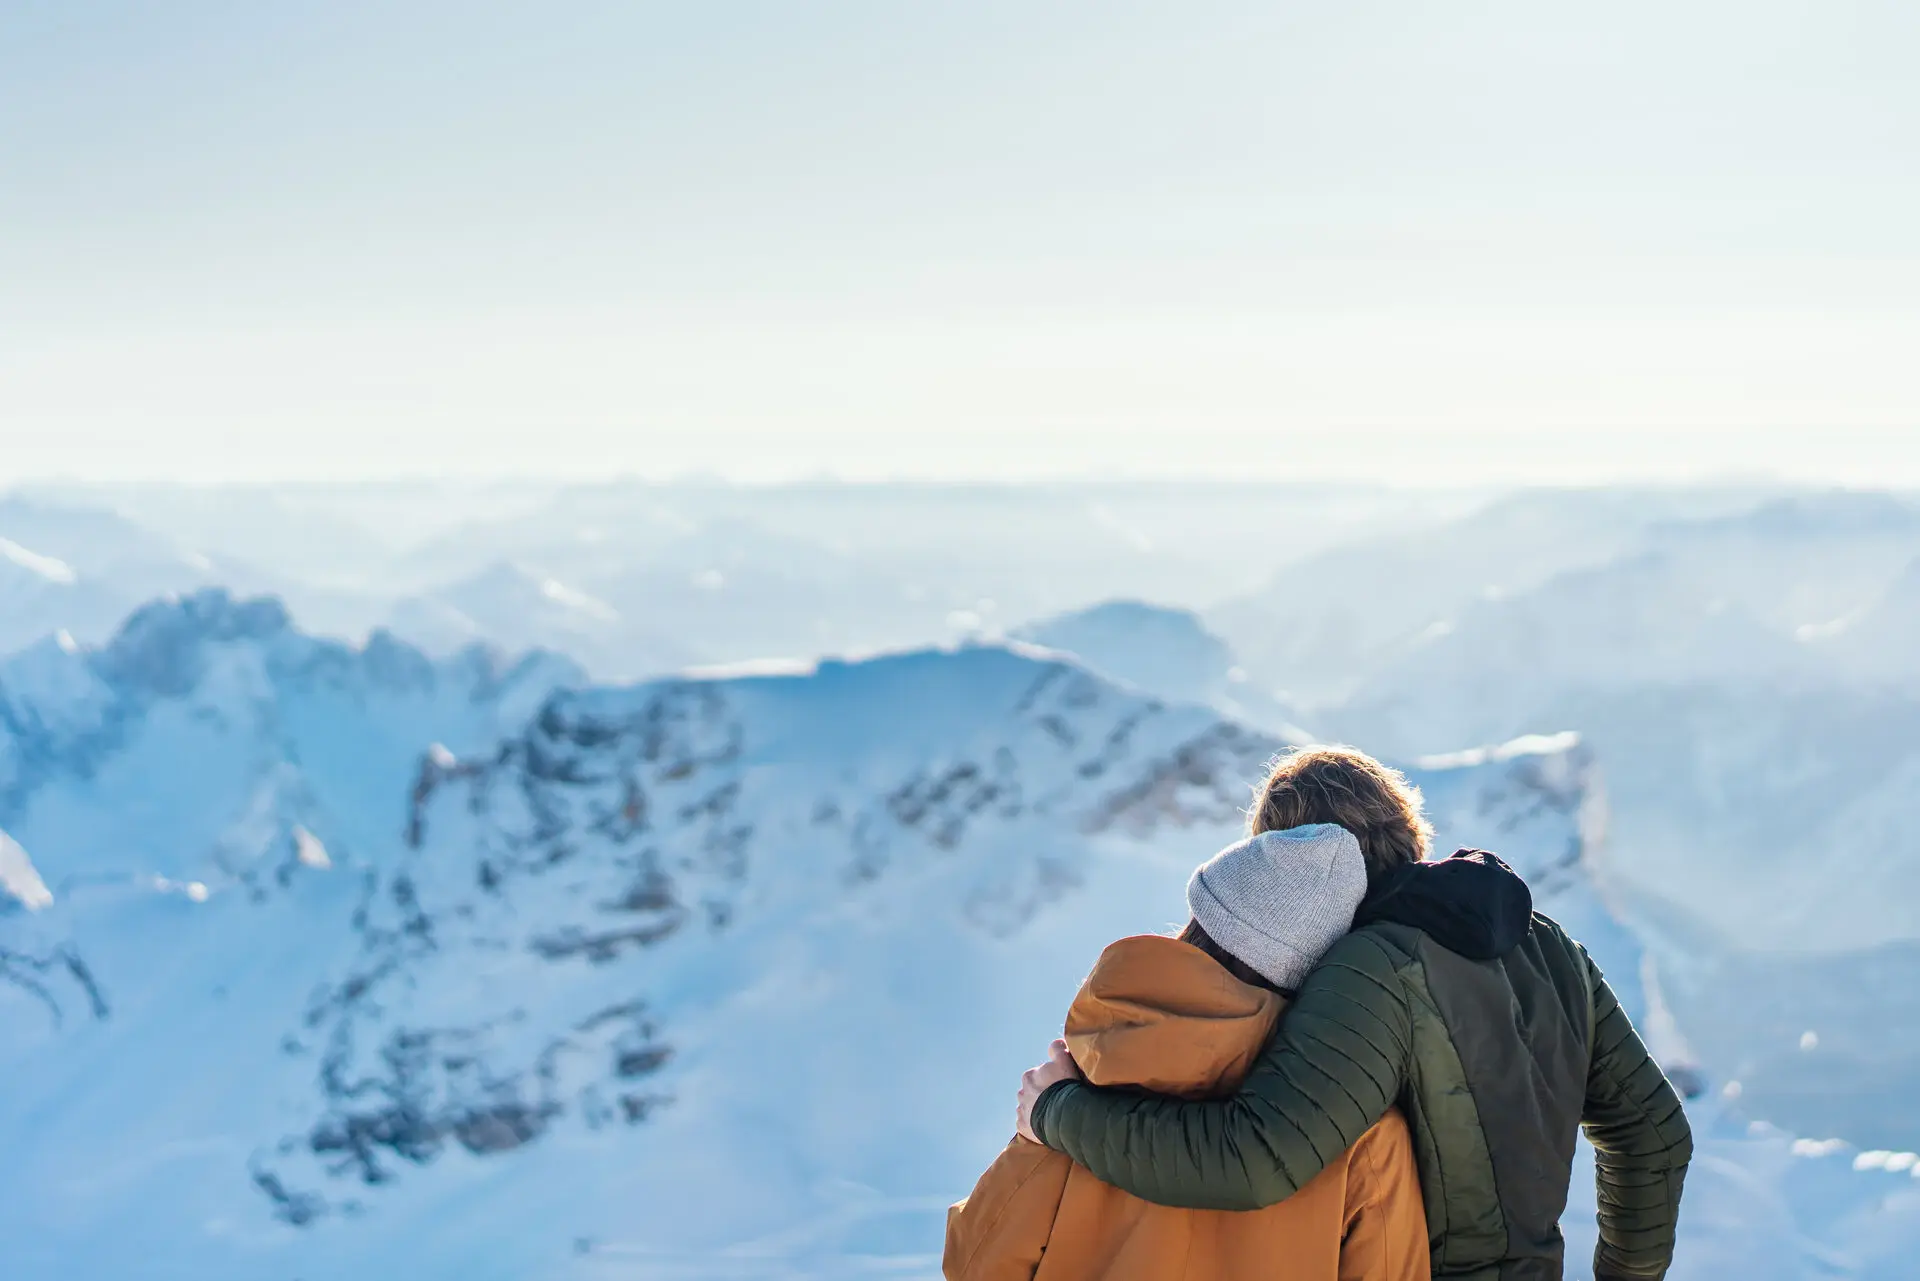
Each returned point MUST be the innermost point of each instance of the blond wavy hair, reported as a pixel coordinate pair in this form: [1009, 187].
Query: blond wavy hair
[1345, 786]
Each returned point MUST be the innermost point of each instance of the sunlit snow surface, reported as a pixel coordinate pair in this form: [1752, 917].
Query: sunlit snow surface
[723, 978]
[50, 568]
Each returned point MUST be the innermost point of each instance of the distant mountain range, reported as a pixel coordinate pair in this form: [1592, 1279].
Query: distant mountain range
[637, 579]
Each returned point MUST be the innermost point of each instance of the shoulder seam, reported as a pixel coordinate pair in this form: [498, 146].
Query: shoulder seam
[1396, 956]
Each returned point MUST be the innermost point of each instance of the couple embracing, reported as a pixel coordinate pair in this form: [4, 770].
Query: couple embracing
[1353, 1064]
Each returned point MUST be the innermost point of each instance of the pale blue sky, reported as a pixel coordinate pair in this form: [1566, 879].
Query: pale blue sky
[1492, 240]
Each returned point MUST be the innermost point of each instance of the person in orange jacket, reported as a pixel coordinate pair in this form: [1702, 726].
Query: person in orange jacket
[1189, 1016]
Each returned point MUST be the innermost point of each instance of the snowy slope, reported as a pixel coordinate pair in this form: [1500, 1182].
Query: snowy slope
[1874, 642]
[209, 728]
[1324, 626]
[700, 978]
[1168, 653]
[772, 839]
[1748, 681]
[1812, 592]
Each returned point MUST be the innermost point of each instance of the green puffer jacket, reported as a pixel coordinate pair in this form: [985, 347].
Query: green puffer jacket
[1498, 1038]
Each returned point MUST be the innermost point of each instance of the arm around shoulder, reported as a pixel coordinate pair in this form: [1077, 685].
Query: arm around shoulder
[1332, 1069]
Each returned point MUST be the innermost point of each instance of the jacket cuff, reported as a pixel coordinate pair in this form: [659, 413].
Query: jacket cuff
[1047, 1098]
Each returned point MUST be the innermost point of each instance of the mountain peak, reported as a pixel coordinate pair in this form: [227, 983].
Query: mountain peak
[1167, 652]
[162, 645]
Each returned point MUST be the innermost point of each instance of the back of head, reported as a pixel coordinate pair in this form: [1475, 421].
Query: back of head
[1277, 901]
[1196, 934]
[1347, 788]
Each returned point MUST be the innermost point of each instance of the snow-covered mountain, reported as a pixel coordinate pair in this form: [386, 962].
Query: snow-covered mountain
[634, 579]
[1803, 593]
[1322, 627]
[1874, 642]
[81, 570]
[728, 574]
[1748, 682]
[195, 742]
[1033, 548]
[318, 960]
[507, 606]
[350, 955]
[1170, 654]
[669, 596]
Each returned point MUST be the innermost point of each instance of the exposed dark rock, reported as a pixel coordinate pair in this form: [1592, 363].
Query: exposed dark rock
[297, 1208]
[605, 945]
[40, 977]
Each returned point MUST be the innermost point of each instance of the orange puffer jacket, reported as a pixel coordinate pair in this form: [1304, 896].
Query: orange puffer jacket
[1161, 1015]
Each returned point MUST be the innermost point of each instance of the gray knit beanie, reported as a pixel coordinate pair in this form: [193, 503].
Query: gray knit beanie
[1279, 900]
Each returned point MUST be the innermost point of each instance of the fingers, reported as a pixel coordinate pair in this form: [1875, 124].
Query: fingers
[1023, 1110]
[1035, 1080]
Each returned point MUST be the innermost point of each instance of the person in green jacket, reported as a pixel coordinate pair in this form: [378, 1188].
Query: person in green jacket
[1490, 1027]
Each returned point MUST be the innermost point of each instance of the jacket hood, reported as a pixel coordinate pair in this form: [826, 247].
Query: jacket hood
[1471, 903]
[1161, 1015]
